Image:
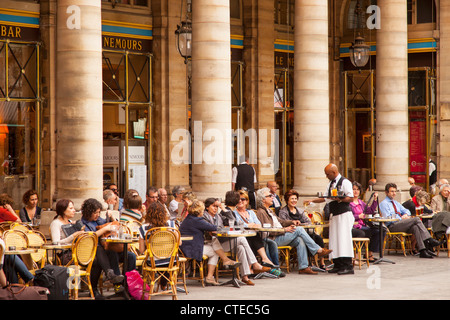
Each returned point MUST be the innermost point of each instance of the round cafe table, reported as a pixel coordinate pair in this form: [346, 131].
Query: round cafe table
[233, 248]
[382, 221]
[125, 243]
[55, 248]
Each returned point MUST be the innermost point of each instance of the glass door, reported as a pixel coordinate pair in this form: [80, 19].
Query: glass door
[20, 147]
[127, 117]
[284, 123]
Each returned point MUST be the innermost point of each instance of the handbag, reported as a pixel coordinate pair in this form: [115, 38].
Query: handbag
[116, 247]
[16, 291]
[71, 228]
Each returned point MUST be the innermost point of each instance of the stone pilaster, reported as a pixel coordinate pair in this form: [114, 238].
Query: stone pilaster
[79, 135]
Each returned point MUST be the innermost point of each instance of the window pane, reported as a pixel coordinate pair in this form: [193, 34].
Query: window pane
[426, 11]
[17, 149]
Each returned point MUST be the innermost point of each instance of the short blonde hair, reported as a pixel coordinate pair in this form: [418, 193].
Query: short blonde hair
[196, 208]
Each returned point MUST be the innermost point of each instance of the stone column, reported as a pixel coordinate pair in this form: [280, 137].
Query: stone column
[392, 96]
[311, 96]
[211, 98]
[79, 136]
[443, 161]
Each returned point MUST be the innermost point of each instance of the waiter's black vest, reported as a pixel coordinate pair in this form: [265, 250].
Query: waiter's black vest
[336, 207]
[245, 177]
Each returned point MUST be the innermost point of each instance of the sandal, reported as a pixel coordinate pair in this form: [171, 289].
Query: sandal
[211, 282]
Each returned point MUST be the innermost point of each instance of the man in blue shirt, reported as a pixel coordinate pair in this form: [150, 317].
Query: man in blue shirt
[393, 209]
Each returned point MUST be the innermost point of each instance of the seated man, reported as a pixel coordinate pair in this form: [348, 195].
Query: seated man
[392, 209]
[441, 201]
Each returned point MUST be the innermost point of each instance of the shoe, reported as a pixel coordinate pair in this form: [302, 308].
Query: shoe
[334, 270]
[269, 265]
[324, 252]
[275, 272]
[433, 242]
[211, 282]
[346, 271]
[98, 295]
[263, 269]
[248, 282]
[231, 264]
[425, 254]
[113, 278]
[307, 270]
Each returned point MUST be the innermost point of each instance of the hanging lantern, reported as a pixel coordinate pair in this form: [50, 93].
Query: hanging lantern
[359, 52]
[183, 39]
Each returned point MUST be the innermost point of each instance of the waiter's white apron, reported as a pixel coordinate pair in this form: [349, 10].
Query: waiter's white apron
[341, 235]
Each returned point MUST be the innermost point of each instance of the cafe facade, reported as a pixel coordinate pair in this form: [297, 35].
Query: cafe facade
[96, 92]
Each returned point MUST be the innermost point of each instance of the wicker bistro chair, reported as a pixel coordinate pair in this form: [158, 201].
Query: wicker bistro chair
[161, 244]
[15, 238]
[286, 257]
[36, 240]
[401, 237]
[84, 249]
[360, 244]
[20, 226]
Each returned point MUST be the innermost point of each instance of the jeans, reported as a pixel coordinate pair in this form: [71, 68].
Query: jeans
[19, 268]
[271, 248]
[301, 241]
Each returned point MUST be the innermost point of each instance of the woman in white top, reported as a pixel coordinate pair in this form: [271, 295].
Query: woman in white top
[65, 211]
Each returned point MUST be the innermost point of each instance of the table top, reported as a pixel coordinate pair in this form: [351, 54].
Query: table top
[234, 234]
[117, 240]
[51, 246]
[426, 216]
[21, 251]
[381, 219]
[269, 229]
[312, 225]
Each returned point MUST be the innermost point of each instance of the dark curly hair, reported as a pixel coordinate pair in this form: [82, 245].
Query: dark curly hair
[27, 195]
[89, 206]
[290, 193]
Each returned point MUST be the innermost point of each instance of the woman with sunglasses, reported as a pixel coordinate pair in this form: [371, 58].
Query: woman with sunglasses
[248, 218]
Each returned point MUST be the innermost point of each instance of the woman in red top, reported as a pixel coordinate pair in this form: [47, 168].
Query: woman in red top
[7, 213]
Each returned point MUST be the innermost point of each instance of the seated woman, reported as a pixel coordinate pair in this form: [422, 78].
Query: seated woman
[65, 211]
[292, 234]
[155, 217]
[292, 212]
[360, 228]
[248, 218]
[245, 255]
[132, 207]
[90, 210]
[31, 209]
[194, 225]
[7, 213]
[188, 197]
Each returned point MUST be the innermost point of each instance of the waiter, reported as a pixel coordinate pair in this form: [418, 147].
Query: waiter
[244, 178]
[341, 220]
